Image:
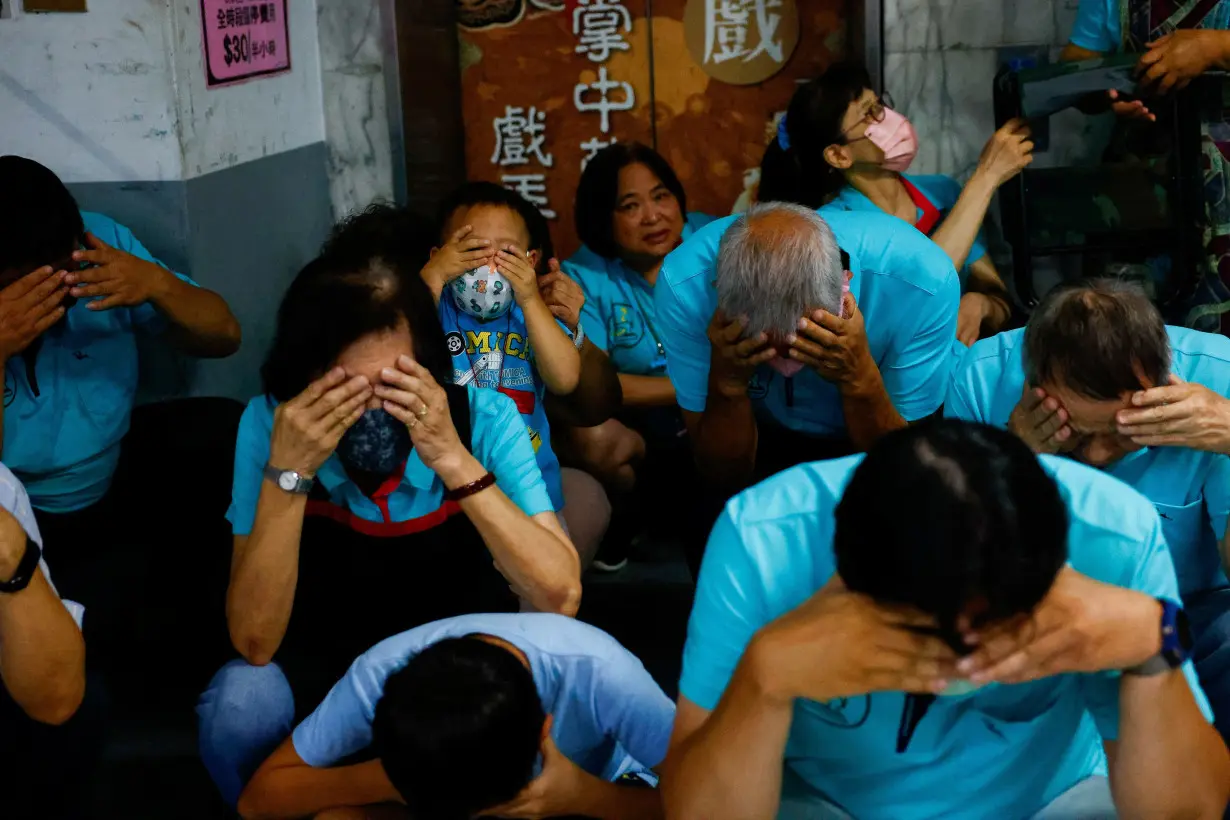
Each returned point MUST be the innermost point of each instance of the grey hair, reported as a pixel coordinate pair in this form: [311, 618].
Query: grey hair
[776, 263]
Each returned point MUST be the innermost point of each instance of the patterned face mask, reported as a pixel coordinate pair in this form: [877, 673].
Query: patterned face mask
[483, 293]
[377, 443]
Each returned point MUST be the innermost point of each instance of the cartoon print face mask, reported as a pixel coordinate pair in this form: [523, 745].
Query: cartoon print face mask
[484, 293]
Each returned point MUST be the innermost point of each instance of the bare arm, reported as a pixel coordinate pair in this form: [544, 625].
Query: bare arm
[724, 439]
[727, 764]
[264, 575]
[608, 801]
[538, 560]
[956, 234]
[555, 355]
[647, 391]
[42, 654]
[868, 410]
[1073, 53]
[1168, 761]
[284, 786]
[201, 323]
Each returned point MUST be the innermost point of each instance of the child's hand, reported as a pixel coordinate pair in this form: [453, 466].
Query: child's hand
[518, 268]
[462, 253]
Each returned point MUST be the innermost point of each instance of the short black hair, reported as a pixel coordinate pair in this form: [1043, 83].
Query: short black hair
[1100, 339]
[598, 192]
[976, 519]
[459, 728]
[475, 193]
[40, 222]
[801, 174]
[365, 280]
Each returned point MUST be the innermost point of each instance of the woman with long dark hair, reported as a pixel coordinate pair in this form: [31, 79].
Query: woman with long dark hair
[841, 146]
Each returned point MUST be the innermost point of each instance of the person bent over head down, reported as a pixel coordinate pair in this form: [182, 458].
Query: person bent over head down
[518, 716]
[1006, 639]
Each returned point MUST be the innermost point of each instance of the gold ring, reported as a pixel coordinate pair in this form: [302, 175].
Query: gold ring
[412, 423]
[422, 412]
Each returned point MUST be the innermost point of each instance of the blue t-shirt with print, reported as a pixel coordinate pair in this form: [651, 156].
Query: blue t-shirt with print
[63, 420]
[941, 191]
[1000, 751]
[1190, 489]
[619, 315]
[496, 355]
[609, 716]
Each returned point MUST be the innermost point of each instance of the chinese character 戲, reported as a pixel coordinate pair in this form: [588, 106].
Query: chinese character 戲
[600, 26]
[519, 136]
[604, 105]
[727, 30]
[532, 188]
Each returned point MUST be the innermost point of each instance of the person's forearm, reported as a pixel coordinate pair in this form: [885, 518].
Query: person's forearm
[302, 791]
[1170, 761]
[201, 323]
[606, 801]
[541, 568]
[647, 391]
[956, 234]
[869, 412]
[725, 438]
[597, 397]
[555, 355]
[731, 768]
[42, 655]
[264, 575]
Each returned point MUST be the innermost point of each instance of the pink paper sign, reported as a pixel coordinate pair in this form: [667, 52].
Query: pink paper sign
[244, 39]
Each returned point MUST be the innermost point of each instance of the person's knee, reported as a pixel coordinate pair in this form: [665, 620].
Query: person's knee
[610, 451]
[245, 701]
[586, 513]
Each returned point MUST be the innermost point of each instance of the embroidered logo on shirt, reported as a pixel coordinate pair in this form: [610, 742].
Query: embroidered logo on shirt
[758, 386]
[623, 328]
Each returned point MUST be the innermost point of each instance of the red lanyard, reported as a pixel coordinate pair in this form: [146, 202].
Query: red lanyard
[930, 214]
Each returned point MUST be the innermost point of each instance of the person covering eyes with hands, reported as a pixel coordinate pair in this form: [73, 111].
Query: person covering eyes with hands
[371, 495]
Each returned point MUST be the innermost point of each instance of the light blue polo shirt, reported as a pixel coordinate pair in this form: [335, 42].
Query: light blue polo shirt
[609, 714]
[943, 193]
[63, 423]
[619, 315]
[1189, 488]
[1099, 24]
[1002, 751]
[498, 440]
[474, 344]
[905, 287]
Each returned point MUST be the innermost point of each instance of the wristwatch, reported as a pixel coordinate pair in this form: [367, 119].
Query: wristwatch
[1176, 642]
[289, 481]
[25, 569]
[578, 338]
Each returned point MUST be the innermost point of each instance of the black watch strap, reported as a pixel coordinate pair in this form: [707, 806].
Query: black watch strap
[25, 569]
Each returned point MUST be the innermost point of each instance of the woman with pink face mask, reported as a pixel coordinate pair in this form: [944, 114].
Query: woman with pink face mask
[841, 146]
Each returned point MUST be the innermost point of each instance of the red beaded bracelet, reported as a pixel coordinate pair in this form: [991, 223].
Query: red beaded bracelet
[466, 490]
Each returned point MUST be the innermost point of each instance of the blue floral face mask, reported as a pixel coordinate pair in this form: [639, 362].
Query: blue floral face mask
[377, 443]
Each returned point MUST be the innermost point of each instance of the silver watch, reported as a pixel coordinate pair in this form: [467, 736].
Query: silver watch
[289, 481]
[578, 338]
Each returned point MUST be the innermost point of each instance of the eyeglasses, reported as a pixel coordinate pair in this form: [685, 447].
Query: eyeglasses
[875, 113]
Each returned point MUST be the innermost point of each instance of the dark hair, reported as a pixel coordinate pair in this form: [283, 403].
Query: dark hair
[365, 280]
[976, 520]
[1099, 339]
[459, 728]
[472, 194]
[801, 174]
[598, 192]
[40, 222]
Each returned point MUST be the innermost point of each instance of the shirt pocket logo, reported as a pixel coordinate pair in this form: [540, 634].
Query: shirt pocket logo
[623, 327]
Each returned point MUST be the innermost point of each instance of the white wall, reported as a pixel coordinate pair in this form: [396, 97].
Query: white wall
[91, 95]
[225, 126]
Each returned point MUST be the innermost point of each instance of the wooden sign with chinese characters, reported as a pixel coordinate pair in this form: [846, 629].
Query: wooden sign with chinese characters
[741, 41]
[548, 83]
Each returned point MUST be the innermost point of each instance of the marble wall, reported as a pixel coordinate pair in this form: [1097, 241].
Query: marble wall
[941, 57]
[356, 116]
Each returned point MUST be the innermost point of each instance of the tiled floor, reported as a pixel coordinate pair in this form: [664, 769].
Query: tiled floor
[152, 771]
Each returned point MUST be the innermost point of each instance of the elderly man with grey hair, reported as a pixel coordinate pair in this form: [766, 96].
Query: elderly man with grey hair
[42, 675]
[1097, 376]
[793, 335]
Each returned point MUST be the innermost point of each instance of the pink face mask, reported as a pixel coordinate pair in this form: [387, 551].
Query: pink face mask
[895, 136]
[782, 362]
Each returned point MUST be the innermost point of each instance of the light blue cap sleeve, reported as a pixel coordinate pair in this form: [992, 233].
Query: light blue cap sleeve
[342, 724]
[251, 455]
[683, 324]
[501, 443]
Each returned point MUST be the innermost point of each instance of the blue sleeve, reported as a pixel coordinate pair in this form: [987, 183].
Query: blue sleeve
[959, 402]
[916, 378]
[1154, 576]
[1097, 22]
[144, 316]
[1217, 495]
[592, 320]
[251, 455]
[683, 329]
[502, 445]
[729, 607]
[633, 709]
[342, 724]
